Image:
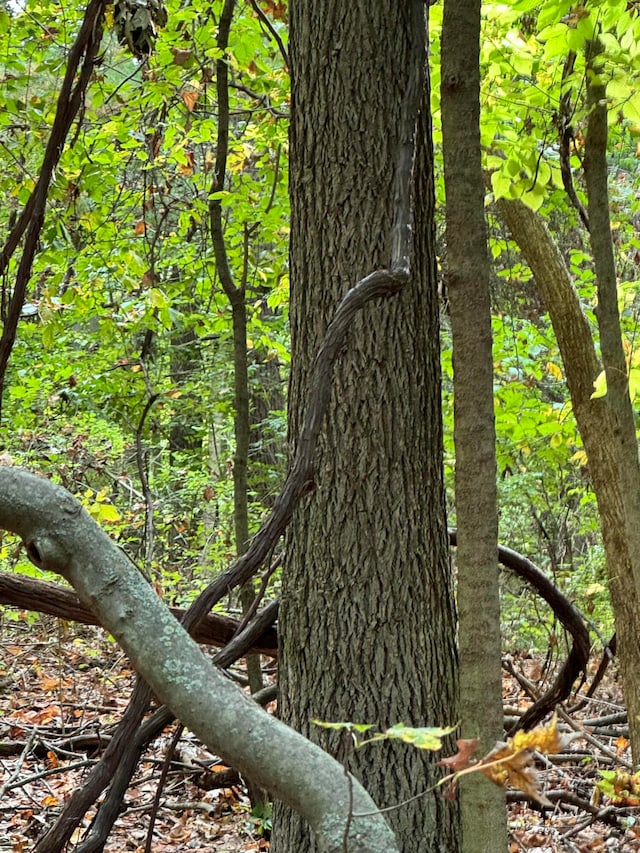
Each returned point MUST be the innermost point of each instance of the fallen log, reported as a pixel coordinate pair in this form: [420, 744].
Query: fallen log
[55, 600]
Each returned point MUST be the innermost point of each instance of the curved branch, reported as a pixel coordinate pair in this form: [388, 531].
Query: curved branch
[570, 618]
[60, 536]
[300, 480]
[55, 600]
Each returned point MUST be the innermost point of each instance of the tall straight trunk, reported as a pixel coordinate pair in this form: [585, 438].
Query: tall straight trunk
[611, 345]
[367, 618]
[236, 292]
[242, 427]
[484, 824]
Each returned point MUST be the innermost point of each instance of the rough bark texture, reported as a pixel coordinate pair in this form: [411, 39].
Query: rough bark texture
[367, 616]
[484, 825]
[596, 429]
[61, 537]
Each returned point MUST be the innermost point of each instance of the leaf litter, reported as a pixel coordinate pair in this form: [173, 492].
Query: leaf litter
[62, 694]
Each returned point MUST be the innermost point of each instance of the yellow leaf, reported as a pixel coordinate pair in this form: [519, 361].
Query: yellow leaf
[544, 739]
[511, 763]
[105, 513]
[580, 457]
[621, 744]
[554, 370]
[600, 386]
[515, 769]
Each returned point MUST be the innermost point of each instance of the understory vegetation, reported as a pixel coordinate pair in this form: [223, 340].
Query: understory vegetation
[145, 360]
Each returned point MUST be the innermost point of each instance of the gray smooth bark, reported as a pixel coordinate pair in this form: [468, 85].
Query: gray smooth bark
[61, 537]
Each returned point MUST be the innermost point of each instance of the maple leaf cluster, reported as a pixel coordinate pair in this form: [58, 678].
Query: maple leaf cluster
[509, 764]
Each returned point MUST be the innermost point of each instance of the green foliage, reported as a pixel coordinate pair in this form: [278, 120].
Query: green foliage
[429, 738]
[125, 307]
[620, 787]
[261, 821]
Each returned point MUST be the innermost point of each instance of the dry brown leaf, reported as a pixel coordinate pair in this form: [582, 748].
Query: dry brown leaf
[511, 763]
[459, 761]
[190, 98]
[514, 769]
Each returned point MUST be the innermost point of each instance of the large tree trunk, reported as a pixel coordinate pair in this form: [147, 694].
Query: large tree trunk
[367, 617]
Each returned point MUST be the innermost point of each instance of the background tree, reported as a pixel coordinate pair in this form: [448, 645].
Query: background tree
[467, 278]
[367, 619]
[589, 73]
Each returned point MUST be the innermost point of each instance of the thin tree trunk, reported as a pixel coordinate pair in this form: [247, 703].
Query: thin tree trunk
[80, 64]
[483, 806]
[237, 295]
[613, 356]
[240, 464]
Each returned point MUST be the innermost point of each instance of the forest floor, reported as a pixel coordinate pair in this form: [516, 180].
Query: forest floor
[55, 684]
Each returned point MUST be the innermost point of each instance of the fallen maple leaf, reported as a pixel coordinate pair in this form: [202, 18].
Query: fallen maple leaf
[621, 744]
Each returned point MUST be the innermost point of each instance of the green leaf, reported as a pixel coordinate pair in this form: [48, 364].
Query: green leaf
[350, 727]
[422, 738]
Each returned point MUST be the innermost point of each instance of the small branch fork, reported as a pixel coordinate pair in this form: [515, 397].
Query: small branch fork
[83, 56]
